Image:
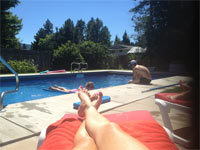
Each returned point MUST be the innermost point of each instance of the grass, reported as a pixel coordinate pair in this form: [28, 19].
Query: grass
[173, 90]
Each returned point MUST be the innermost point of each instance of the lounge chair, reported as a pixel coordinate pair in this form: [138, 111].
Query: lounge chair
[165, 104]
[139, 124]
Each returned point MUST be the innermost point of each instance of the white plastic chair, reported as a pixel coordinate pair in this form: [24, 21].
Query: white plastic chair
[165, 107]
[41, 137]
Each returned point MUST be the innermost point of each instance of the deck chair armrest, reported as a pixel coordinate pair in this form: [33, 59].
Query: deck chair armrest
[41, 137]
[164, 110]
[169, 105]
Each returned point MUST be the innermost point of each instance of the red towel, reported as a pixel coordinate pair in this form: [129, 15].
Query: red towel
[163, 96]
[138, 124]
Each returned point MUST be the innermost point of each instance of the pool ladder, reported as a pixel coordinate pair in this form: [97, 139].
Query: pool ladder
[6, 92]
[79, 66]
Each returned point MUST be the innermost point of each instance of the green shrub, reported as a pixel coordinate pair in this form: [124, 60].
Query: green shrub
[173, 90]
[113, 62]
[95, 54]
[65, 55]
[19, 66]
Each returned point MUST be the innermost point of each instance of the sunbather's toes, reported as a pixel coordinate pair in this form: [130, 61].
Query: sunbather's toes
[98, 102]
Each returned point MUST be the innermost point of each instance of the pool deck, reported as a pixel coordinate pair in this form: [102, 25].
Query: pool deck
[22, 122]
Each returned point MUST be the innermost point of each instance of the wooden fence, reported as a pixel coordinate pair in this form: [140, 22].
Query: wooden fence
[42, 59]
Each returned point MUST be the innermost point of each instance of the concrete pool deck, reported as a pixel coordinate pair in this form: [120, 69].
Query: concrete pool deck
[26, 120]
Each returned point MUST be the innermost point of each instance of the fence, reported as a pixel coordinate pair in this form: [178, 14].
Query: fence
[42, 59]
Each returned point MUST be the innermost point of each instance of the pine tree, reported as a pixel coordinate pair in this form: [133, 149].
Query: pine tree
[125, 39]
[117, 40]
[10, 25]
[41, 34]
[79, 31]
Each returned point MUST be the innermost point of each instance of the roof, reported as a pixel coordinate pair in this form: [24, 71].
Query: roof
[137, 49]
[121, 47]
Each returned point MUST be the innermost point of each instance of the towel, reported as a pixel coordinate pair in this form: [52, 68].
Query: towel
[139, 124]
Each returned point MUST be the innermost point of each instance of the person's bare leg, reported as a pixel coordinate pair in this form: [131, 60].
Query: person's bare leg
[185, 95]
[95, 99]
[53, 88]
[185, 87]
[107, 135]
[57, 89]
[181, 96]
[82, 140]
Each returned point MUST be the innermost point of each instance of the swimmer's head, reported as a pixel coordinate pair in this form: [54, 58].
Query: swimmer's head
[89, 85]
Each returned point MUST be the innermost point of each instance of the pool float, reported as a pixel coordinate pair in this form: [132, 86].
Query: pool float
[56, 71]
[44, 71]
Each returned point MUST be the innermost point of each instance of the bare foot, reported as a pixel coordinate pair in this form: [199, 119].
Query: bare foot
[172, 97]
[96, 103]
[86, 101]
[93, 96]
[185, 87]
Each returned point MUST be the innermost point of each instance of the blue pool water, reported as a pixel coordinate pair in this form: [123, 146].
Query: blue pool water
[31, 88]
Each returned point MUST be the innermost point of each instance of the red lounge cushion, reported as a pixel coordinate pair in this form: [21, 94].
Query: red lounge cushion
[163, 96]
[139, 124]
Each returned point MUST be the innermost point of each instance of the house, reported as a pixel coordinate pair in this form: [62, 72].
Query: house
[120, 49]
[137, 50]
[126, 49]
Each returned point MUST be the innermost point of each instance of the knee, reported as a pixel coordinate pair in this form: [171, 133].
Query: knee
[86, 140]
[110, 126]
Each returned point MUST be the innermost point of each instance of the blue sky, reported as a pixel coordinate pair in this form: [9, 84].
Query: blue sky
[114, 14]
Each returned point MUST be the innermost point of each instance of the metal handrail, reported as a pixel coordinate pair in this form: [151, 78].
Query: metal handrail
[83, 68]
[79, 66]
[75, 69]
[17, 82]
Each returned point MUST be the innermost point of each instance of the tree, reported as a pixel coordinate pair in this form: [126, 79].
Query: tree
[65, 55]
[79, 31]
[104, 37]
[97, 30]
[141, 19]
[94, 52]
[48, 27]
[41, 34]
[90, 30]
[125, 39]
[68, 30]
[47, 43]
[65, 33]
[167, 28]
[117, 40]
[97, 33]
[24, 46]
[10, 25]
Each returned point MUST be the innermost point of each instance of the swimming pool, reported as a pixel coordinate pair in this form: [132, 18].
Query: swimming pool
[32, 87]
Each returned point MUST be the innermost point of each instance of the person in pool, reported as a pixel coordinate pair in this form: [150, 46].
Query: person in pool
[141, 74]
[89, 86]
[61, 89]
